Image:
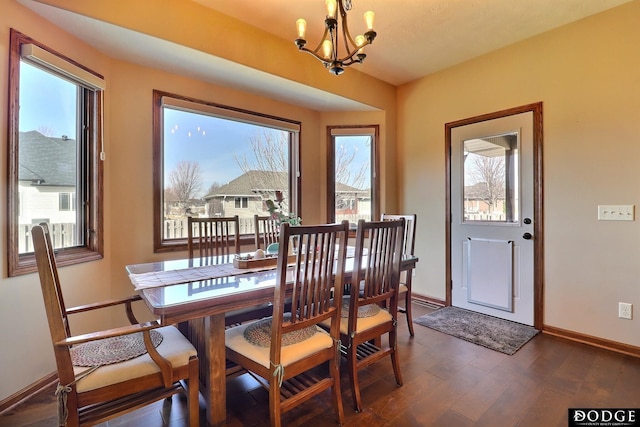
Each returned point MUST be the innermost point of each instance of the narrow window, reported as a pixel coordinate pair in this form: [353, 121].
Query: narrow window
[353, 183]
[54, 140]
[213, 160]
[64, 202]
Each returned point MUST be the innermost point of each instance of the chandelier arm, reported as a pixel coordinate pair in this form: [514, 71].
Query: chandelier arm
[314, 52]
[315, 55]
[348, 41]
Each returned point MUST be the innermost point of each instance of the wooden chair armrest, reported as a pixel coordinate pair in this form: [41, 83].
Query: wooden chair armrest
[103, 304]
[108, 333]
[109, 303]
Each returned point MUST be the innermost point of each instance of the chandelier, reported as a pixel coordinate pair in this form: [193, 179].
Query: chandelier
[335, 33]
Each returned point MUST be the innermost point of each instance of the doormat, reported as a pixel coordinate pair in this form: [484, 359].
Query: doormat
[491, 332]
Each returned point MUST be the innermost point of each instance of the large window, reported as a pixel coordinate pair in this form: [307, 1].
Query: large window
[212, 160]
[353, 181]
[54, 168]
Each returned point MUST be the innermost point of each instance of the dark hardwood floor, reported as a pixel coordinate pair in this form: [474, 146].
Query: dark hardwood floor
[447, 382]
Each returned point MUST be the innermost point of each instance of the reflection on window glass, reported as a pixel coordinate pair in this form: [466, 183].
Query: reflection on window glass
[214, 166]
[48, 156]
[491, 179]
[352, 177]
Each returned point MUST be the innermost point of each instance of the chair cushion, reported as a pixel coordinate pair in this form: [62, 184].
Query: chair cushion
[112, 350]
[235, 340]
[363, 311]
[174, 347]
[365, 323]
[259, 333]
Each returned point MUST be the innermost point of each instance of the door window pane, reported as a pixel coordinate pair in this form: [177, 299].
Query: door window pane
[490, 191]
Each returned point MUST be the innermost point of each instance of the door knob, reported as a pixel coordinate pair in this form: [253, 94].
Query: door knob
[527, 236]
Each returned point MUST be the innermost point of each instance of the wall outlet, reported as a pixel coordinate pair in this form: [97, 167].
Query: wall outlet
[625, 310]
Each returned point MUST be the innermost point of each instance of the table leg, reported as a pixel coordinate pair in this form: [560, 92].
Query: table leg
[216, 383]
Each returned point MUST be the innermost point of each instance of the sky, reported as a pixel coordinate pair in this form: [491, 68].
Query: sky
[210, 141]
[49, 101]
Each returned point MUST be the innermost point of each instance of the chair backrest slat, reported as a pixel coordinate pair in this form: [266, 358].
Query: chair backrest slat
[266, 231]
[213, 236]
[409, 243]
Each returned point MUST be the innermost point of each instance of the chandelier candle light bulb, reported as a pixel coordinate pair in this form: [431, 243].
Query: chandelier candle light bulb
[368, 19]
[327, 48]
[332, 6]
[301, 24]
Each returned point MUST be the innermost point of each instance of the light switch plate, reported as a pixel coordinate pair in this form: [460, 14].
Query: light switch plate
[616, 212]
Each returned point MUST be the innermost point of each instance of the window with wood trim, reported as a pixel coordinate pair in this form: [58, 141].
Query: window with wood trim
[54, 166]
[214, 160]
[353, 188]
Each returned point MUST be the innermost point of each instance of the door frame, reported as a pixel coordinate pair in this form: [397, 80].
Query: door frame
[538, 199]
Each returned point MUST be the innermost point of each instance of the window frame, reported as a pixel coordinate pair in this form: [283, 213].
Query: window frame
[345, 130]
[90, 167]
[160, 244]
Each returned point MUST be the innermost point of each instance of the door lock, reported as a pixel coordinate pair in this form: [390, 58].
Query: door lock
[527, 236]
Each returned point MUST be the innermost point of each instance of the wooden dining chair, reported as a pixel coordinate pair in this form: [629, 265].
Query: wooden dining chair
[408, 248]
[266, 231]
[213, 236]
[372, 300]
[284, 352]
[104, 374]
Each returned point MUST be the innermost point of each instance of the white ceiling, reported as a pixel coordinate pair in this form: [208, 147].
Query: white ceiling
[415, 38]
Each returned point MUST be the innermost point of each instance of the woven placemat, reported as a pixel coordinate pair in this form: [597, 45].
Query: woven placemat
[112, 350]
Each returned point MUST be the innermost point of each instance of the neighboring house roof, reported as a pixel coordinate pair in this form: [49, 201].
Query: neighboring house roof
[252, 183]
[478, 191]
[344, 188]
[46, 161]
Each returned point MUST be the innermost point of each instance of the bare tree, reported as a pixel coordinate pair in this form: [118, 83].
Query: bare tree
[345, 173]
[490, 173]
[215, 205]
[185, 181]
[46, 130]
[269, 153]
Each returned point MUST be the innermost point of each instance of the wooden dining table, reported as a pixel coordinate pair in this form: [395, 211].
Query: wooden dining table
[177, 292]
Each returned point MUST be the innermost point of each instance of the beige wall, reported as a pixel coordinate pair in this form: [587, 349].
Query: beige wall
[128, 230]
[588, 76]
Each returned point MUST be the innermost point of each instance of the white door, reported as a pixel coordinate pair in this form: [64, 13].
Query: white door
[492, 217]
